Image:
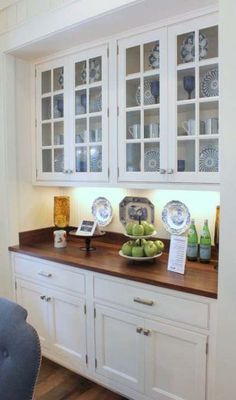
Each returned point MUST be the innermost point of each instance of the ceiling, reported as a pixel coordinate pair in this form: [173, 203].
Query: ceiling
[142, 13]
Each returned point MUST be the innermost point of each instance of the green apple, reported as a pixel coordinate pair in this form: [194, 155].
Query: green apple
[150, 249]
[148, 229]
[127, 248]
[137, 251]
[137, 230]
[129, 228]
[143, 242]
[159, 245]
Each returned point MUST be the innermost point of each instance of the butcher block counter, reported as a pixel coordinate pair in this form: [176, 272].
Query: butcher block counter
[200, 279]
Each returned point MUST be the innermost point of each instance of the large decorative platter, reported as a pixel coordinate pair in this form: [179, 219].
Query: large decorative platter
[187, 49]
[176, 217]
[209, 159]
[209, 86]
[153, 235]
[133, 208]
[139, 258]
[102, 211]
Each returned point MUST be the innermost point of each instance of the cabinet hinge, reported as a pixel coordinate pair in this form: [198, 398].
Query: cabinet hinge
[15, 285]
[108, 172]
[96, 363]
[108, 52]
[35, 73]
[118, 111]
[85, 309]
[36, 173]
[206, 347]
[86, 358]
[117, 50]
[118, 172]
[94, 312]
[36, 123]
[107, 112]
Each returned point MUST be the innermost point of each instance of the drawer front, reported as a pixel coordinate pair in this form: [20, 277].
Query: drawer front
[50, 274]
[166, 306]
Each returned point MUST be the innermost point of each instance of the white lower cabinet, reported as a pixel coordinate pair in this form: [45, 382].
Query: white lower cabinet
[143, 341]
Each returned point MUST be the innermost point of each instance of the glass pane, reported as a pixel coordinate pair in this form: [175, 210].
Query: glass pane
[95, 158]
[133, 60]
[208, 155]
[151, 56]
[47, 160]
[95, 99]
[209, 81]
[58, 106]
[81, 159]
[80, 73]
[80, 102]
[186, 156]
[81, 130]
[58, 79]
[58, 160]
[46, 108]
[46, 82]
[133, 95]
[186, 120]
[95, 69]
[133, 157]
[151, 123]
[186, 48]
[151, 157]
[186, 84]
[208, 43]
[95, 134]
[46, 135]
[133, 125]
[151, 90]
[58, 133]
[209, 118]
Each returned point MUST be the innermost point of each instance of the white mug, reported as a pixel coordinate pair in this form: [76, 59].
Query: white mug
[59, 239]
[211, 126]
[152, 130]
[189, 126]
[134, 131]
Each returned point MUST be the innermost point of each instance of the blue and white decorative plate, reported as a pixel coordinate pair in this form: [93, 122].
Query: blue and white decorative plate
[154, 57]
[176, 217]
[133, 208]
[209, 85]
[187, 49]
[102, 211]
[152, 160]
[96, 159]
[209, 159]
[148, 98]
[96, 103]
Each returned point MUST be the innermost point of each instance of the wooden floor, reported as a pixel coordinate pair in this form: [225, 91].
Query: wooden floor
[58, 383]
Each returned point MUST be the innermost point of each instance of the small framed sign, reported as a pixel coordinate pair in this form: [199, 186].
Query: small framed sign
[86, 228]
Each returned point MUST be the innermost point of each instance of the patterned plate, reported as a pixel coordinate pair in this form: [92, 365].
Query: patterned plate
[154, 58]
[152, 160]
[187, 49]
[176, 217]
[102, 211]
[209, 85]
[96, 159]
[209, 159]
[148, 97]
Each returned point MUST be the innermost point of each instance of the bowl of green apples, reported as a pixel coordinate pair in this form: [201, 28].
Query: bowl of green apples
[142, 249]
[143, 229]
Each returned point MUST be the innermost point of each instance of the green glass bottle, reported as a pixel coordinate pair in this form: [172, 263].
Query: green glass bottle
[192, 248]
[205, 244]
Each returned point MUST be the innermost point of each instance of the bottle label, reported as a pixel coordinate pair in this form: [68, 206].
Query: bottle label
[205, 252]
[192, 250]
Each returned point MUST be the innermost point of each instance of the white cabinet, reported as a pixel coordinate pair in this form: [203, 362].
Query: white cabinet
[72, 117]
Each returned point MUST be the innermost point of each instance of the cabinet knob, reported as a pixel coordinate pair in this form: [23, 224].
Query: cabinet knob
[162, 171]
[65, 171]
[48, 299]
[70, 171]
[139, 329]
[170, 171]
[146, 332]
[42, 297]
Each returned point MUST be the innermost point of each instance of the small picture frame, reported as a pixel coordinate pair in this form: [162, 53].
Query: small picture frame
[86, 228]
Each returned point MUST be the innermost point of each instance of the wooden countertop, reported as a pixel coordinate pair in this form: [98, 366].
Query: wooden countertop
[200, 279]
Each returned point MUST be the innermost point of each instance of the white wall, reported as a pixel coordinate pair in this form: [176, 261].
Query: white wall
[226, 334]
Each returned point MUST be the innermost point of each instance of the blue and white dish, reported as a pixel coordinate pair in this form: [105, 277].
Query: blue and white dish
[61, 79]
[96, 159]
[203, 46]
[148, 98]
[176, 217]
[96, 103]
[187, 49]
[102, 211]
[133, 208]
[154, 57]
[152, 160]
[209, 159]
[83, 74]
[95, 72]
[209, 86]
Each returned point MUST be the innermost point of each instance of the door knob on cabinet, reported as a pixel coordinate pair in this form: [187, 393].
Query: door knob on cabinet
[70, 171]
[146, 332]
[65, 171]
[139, 329]
[170, 171]
[42, 297]
[48, 299]
[162, 171]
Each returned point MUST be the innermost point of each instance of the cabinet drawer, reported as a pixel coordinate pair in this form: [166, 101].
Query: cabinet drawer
[162, 305]
[50, 274]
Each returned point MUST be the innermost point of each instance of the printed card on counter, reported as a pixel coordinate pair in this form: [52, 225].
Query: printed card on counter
[177, 254]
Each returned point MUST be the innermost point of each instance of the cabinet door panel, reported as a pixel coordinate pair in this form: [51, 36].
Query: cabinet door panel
[30, 297]
[176, 360]
[68, 326]
[119, 348]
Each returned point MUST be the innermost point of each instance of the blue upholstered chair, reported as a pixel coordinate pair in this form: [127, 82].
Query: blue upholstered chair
[20, 353]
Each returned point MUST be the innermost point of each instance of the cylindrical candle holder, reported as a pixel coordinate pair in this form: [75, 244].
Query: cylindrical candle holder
[61, 211]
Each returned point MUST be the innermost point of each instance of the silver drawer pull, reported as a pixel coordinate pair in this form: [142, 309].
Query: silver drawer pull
[45, 274]
[139, 329]
[146, 332]
[142, 301]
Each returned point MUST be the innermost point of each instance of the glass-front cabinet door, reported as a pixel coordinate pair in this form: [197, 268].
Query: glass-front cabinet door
[51, 85]
[194, 100]
[142, 130]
